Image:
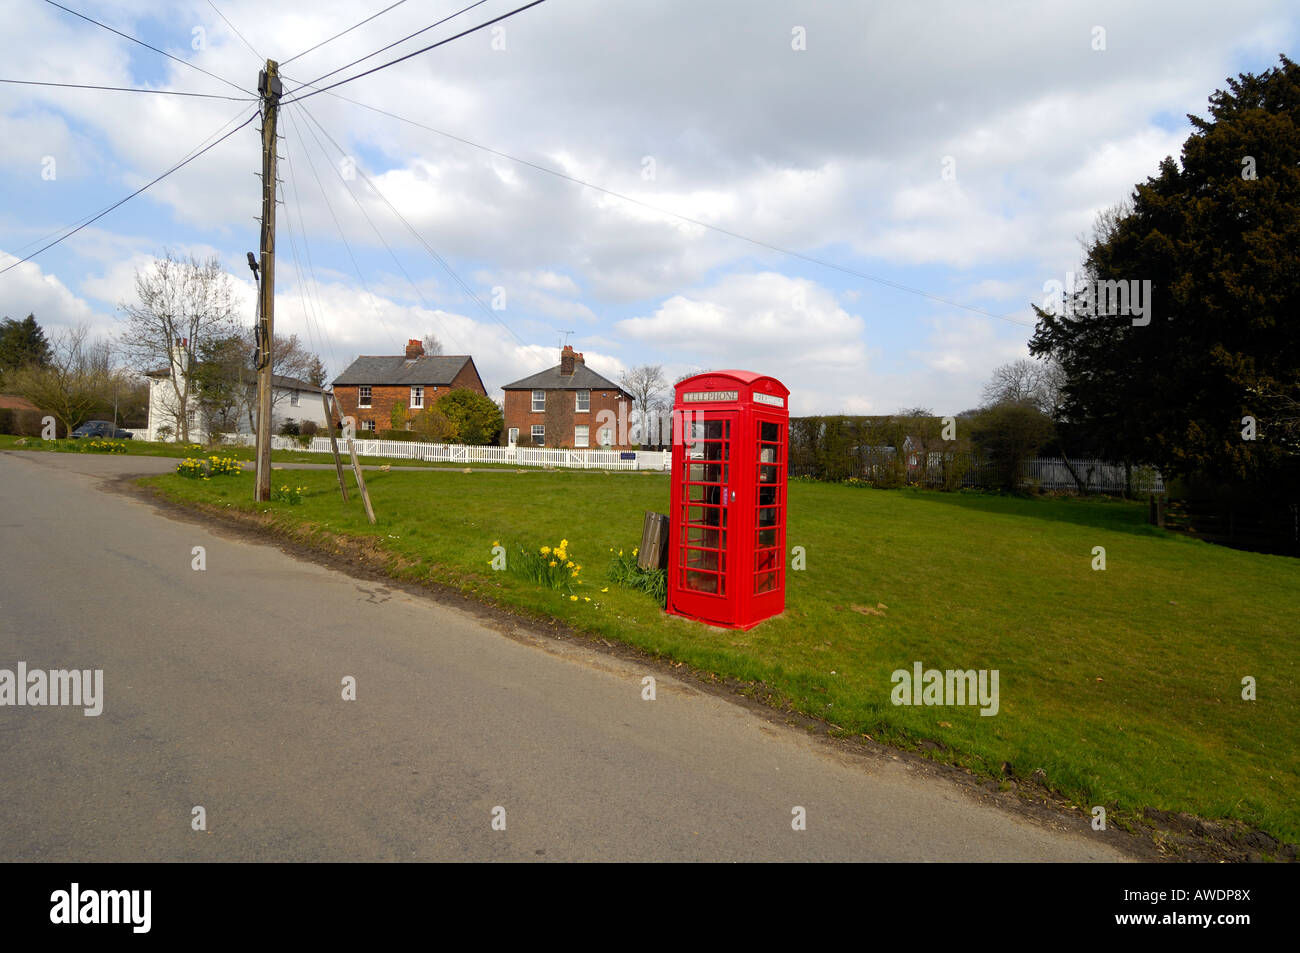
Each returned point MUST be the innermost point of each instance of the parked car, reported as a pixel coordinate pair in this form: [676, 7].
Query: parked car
[103, 429]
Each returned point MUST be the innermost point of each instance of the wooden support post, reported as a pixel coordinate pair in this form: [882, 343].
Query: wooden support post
[653, 551]
[361, 482]
[334, 445]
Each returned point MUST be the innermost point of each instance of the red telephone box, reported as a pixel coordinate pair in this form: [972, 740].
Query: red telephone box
[726, 562]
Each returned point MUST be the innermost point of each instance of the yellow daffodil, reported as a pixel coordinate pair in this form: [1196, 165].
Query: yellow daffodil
[569, 564]
[554, 563]
[586, 598]
[544, 550]
[573, 598]
[606, 589]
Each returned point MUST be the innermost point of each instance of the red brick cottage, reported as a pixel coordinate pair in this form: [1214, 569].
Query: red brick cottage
[568, 406]
[370, 386]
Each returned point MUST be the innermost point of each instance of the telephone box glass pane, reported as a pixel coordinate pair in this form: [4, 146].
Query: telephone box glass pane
[767, 516]
[706, 515]
[767, 455]
[704, 493]
[767, 474]
[765, 582]
[711, 430]
[766, 537]
[706, 538]
[715, 450]
[707, 473]
[769, 432]
[703, 559]
[767, 496]
[703, 582]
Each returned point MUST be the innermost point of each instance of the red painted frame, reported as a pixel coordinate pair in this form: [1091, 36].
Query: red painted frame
[727, 519]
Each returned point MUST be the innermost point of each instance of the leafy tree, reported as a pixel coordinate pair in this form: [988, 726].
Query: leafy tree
[22, 343]
[224, 382]
[433, 426]
[315, 371]
[397, 416]
[1218, 237]
[1011, 433]
[475, 419]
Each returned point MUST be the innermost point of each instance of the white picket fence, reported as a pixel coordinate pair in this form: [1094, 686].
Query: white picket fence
[466, 455]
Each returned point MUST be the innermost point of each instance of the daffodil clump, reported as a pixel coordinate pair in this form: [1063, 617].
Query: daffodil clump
[553, 567]
[192, 469]
[197, 469]
[287, 494]
[103, 446]
[223, 466]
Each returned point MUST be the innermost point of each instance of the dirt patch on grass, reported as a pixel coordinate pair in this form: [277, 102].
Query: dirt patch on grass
[1151, 835]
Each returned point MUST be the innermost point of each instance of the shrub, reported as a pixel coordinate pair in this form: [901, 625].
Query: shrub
[398, 435]
[309, 428]
[290, 429]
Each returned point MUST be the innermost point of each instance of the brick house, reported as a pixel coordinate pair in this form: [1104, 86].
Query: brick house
[568, 405]
[369, 388]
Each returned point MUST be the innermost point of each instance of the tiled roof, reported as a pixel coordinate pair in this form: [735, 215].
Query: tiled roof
[583, 378]
[435, 369]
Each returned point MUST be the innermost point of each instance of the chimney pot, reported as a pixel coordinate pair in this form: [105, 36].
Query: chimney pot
[567, 358]
[414, 348]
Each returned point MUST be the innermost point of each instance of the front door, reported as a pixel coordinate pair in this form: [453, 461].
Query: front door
[707, 520]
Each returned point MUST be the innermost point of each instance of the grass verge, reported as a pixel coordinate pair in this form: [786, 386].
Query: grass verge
[1120, 688]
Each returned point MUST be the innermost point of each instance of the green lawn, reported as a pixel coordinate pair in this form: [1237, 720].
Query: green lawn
[1123, 685]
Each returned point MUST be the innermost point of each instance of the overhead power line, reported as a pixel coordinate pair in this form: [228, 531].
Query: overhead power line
[184, 162]
[236, 30]
[212, 135]
[127, 36]
[492, 315]
[431, 46]
[390, 45]
[348, 30]
[811, 259]
[129, 89]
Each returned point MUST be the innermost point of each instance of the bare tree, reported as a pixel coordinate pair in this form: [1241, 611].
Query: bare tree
[76, 385]
[646, 385]
[180, 302]
[431, 344]
[1024, 381]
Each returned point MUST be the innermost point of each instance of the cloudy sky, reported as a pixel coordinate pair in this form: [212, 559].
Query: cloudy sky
[860, 198]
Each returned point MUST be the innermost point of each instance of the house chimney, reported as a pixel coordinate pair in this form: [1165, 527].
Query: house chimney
[414, 349]
[567, 357]
[578, 358]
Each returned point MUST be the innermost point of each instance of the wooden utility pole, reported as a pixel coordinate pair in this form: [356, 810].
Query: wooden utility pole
[361, 482]
[270, 88]
[334, 445]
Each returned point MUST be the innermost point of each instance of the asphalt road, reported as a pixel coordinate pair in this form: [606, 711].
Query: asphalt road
[223, 689]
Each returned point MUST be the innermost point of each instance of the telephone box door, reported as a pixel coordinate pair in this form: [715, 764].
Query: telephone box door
[707, 519]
